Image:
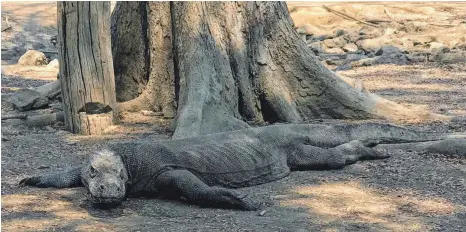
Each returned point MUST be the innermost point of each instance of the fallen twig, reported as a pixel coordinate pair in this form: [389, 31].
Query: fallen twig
[443, 25]
[36, 120]
[6, 28]
[7, 23]
[388, 13]
[12, 116]
[341, 14]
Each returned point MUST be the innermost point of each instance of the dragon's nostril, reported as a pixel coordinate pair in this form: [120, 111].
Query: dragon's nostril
[118, 189]
[102, 187]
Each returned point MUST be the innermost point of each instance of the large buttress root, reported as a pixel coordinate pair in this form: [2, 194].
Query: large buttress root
[159, 90]
[222, 64]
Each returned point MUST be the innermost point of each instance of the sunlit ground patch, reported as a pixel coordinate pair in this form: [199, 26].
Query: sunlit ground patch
[31, 72]
[47, 212]
[350, 202]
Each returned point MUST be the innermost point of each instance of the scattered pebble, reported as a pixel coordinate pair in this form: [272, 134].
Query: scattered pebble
[262, 213]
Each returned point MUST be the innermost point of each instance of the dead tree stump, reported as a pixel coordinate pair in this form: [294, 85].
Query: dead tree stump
[86, 66]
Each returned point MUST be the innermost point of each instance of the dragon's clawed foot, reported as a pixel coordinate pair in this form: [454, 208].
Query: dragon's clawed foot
[236, 199]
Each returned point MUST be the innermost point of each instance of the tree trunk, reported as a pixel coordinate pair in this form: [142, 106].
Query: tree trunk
[159, 92]
[229, 63]
[130, 49]
[86, 66]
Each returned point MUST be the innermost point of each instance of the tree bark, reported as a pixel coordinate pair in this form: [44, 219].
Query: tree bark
[159, 92]
[86, 66]
[224, 64]
[130, 49]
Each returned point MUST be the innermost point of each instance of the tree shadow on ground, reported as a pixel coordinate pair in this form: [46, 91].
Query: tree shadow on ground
[342, 205]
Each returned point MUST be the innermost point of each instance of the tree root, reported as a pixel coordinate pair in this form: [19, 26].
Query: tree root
[142, 102]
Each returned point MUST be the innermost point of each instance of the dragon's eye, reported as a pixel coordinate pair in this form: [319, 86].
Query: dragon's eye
[92, 172]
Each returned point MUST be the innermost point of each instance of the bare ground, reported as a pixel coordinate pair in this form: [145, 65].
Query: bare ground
[407, 192]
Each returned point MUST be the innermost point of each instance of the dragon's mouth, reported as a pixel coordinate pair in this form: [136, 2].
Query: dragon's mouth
[106, 202]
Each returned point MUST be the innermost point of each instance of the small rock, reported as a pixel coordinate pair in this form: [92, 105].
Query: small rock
[421, 40]
[461, 46]
[334, 62]
[316, 47]
[436, 45]
[453, 57]
[452, 43]
[363, 62]
[309, 30]
[351, 37]
[351, 47]
[438, 53]
[321, 37]
[301, 31]
[389, 31]
[416, 58]
[369, 32]
[335, 42]
[303, 37]
[390, 55]
[334, 51]
[370, 45]
[355, 57]
[407, 44]
[339, 32]
[61, 132]
[262, 213]
[38, 45]
[388, 50]
[71, 143]
[27, 99]
[330, 43]
[33, 57]
[53, 64]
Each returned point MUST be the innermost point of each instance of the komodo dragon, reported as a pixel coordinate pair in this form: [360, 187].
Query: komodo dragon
[198, 169]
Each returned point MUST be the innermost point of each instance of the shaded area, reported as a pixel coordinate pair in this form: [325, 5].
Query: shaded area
[408, 190]
[12, 83]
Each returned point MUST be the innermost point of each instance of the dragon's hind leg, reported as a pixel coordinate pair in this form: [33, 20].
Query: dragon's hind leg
[187, 185]
[307, 157]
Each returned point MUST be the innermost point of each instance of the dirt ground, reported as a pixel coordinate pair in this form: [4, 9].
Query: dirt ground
[407, 192]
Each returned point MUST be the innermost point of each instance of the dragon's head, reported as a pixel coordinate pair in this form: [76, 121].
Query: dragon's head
[105, 176]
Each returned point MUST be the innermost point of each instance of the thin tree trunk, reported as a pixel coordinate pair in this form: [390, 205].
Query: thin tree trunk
[86, 66]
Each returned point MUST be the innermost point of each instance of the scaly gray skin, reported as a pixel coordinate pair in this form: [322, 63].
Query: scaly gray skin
[198, 169]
